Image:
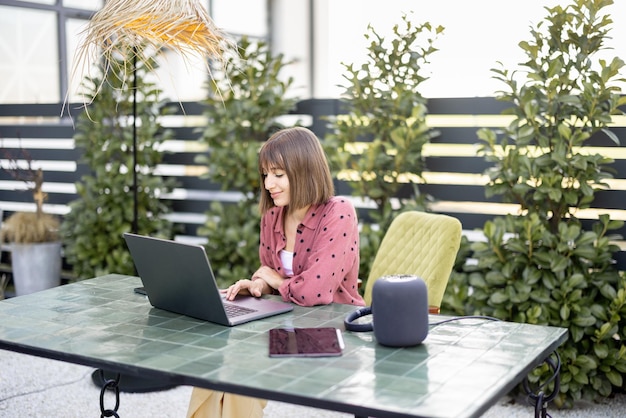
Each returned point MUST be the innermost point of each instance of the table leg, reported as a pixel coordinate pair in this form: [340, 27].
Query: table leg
[132, 384]
[113, 385]
[540, 399]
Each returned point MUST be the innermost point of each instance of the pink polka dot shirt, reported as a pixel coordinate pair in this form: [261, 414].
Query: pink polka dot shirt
[325, 256]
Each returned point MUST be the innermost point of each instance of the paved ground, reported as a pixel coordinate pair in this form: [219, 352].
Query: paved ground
[33, 387]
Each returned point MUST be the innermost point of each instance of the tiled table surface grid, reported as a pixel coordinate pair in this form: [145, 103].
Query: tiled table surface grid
[115, 324]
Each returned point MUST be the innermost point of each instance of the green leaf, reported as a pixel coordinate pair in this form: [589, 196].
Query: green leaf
[477, 280]
[601, 350]
[615, 378]
[559, 264]
[576, 280]
[564, 131]
[498, 298]
[611, 136]
[584, 320]
[581, 378]
[497, 278]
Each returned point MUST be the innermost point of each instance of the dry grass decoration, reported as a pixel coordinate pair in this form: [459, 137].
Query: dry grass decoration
[140, 27]
[29, 227]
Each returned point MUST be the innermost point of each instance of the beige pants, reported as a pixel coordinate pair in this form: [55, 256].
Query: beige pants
[205, 403]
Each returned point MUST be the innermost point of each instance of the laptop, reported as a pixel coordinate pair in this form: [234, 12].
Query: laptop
[177, 277]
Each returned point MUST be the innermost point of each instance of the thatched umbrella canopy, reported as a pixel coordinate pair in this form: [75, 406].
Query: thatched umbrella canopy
[145, 26]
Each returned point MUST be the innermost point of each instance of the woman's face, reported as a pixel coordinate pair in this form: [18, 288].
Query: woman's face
[277, 183]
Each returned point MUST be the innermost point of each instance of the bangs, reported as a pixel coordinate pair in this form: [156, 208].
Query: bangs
[270, 158]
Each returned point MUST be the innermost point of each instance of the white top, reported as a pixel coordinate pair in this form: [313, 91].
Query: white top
[286, 259]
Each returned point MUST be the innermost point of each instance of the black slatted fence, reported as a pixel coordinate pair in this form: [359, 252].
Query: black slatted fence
[453, 176]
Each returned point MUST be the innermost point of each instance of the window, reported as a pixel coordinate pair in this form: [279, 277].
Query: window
[38, 40]
[83, 4]
[74, 37]
[29, 67]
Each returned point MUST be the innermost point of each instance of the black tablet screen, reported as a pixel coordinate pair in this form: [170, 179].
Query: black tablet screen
[305, 342]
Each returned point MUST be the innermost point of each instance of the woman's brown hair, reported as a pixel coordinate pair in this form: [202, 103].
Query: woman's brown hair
[299, 153]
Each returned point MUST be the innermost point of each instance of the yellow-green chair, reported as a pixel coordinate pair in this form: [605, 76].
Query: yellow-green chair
[421, 244]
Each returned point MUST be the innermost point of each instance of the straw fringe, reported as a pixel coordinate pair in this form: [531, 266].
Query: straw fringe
[134, 27]
[183, 25]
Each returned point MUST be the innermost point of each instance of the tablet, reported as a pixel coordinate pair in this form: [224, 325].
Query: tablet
[305, 342]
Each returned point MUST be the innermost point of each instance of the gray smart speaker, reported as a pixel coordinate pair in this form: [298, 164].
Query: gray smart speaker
[399, 311]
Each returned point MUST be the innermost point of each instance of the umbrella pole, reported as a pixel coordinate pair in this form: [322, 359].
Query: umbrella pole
[135, 227]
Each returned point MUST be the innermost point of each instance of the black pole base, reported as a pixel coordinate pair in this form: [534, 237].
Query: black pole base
[132, 384]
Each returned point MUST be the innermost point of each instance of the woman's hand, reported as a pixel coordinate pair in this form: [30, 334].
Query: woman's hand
[269, 276]
[263, 281]
[246, 287]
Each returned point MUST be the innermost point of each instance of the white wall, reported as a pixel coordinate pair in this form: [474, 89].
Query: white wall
[478, 33]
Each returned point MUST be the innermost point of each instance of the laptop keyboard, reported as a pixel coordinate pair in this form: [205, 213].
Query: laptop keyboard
[236, 310]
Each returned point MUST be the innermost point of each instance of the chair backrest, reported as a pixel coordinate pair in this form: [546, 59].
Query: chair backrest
[421, 244]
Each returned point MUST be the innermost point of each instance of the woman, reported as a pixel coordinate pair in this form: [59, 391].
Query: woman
[309, 246]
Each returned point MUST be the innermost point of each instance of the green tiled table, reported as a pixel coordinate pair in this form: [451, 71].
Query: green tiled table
[462, 368]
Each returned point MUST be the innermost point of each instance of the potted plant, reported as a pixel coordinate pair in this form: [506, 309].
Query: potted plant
[33, 236]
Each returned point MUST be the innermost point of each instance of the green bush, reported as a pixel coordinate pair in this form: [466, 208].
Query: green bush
[542, 266]
[385, 111]
[246, 98]
[92, 230]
